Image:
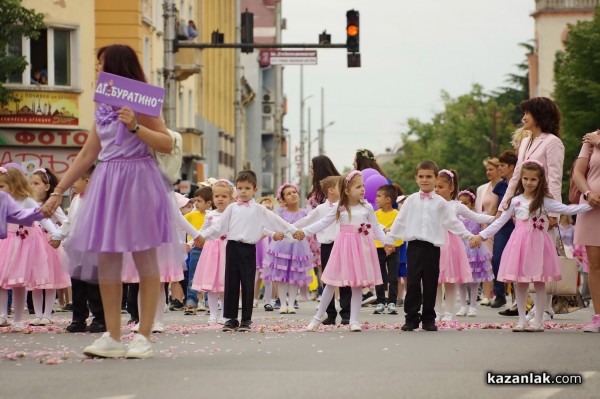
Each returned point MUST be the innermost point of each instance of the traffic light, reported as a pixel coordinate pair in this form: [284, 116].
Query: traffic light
[217, 37]
[353, 38]
[352, 31]
[247, 34]
[324, 38]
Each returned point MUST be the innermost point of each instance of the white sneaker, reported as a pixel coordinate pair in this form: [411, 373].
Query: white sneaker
[462, 311]
[315, 323]
[255, 303]
[438, 317]
[17, 326]
[212, 321]
[485, 302]
[139, 348]
[530, 315]
[548, 315]
[135, 328]
[447, 316]
[158, 328]
[35, 322]
[355, 327]
[4, 321]
[44, 321]
[221, 321]
[105, 346]
[472, 312]
[291, 310]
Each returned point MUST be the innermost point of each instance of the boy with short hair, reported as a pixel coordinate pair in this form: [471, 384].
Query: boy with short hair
[83, 292]
[423, 222]
[330, 186]
[389, 264]
[203, 201]
[243, 223]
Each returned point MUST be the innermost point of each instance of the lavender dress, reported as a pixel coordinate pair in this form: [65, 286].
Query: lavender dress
[288, 262]
[128, 208]
[479, 257]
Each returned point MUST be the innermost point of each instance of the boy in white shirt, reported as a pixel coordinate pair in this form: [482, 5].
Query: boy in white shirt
[243, 223]
[423, 222]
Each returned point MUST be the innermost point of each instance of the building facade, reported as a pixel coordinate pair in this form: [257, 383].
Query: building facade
[551, 30]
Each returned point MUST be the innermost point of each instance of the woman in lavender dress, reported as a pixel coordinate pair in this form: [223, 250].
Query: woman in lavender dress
[128, 211]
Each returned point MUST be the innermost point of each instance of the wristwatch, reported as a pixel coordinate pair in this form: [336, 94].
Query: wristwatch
[585, 195]
[136, 128]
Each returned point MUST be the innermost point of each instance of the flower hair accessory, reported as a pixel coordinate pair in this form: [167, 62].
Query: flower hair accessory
[3, 170]
[534, 161]
[363, 152]
[467, 192]
[283, 187]
[447, 172]
[351, 175]
[42, 170]
[224, 181]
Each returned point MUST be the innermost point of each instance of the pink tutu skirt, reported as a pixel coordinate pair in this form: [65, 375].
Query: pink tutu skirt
[57, 268]
[454, 264]
[288, 262]
[23, 256]
[210, 272]
[529, 256]
[353, 261]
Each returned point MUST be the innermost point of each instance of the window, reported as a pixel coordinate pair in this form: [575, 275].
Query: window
[147, 56]
[50, 58]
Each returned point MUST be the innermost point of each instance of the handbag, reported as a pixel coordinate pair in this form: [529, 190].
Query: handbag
[170, 163]
[574, 193]
[569, 272]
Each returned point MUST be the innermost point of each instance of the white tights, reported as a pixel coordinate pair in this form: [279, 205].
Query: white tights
[19, 296]
[450, 292]
[287, 290]
[268, 291]
[521, 295]
[38, 301]
[327, 296]
[213, 306]
[463, 294]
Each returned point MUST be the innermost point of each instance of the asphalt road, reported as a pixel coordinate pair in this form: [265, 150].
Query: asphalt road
[279, 360]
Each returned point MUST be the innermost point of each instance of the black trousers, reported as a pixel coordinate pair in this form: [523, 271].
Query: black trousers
[389, 266]
[85, 294]
[345, 292]
[132, 300]
[423, 267]
[240, 269]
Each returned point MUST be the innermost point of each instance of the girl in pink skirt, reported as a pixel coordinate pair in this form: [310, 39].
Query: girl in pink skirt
[353, 261]
[288, 263]
[24, 252]
[210, 273]
[454, 264]
[479, 259]
[43, 181]
[530, 254]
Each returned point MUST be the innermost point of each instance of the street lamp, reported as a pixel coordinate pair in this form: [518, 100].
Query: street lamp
[322, 138]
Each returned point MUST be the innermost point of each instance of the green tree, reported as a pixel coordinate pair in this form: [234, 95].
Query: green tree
[577, 92]
[15, 21]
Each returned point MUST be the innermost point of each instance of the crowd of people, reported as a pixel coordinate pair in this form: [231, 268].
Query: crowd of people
[426, 251]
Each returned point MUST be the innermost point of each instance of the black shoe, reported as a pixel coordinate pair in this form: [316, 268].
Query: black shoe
[245, 326]
[231, 325]
[76, 327]
[498, 302]
[345, 322]
[429, 326]
[176, 305]
[329, 321]
[410, 326]
[268, 307]
[509, 312]
[96, 328]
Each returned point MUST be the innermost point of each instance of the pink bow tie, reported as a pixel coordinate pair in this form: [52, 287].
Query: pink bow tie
[426, 195]
[244, 203]
[330, 204]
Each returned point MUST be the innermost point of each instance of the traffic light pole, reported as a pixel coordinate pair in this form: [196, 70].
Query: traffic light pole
[257, 45]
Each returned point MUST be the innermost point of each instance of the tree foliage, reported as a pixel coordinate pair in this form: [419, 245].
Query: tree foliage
[16, 21]
[577, 92]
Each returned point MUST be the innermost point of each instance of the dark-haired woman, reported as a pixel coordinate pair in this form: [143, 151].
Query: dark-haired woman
[542, 118]
[365, 159]
[113, 222]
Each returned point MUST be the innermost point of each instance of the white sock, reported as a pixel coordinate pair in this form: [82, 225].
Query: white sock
[355, 304]
[50, 298]
[326, 297]
[521, 297]
[283, 292]
[462, 290]
[268, 291]
[37, 297]
[474, 291]
[213, 305]
[292, 292]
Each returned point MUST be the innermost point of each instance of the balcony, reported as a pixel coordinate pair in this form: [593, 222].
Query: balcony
[187, 62]
[566, 5]
[193, 143]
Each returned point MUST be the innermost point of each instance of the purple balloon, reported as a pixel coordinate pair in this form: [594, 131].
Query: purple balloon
[371, 185]
[366, 173]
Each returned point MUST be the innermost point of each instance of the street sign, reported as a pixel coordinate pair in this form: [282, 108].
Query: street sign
[288, 57]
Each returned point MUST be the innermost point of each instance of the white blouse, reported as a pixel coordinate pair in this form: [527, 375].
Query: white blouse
[327, 235]
[462, 210]
[47, 224]
[519, 208]
[212, 223]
